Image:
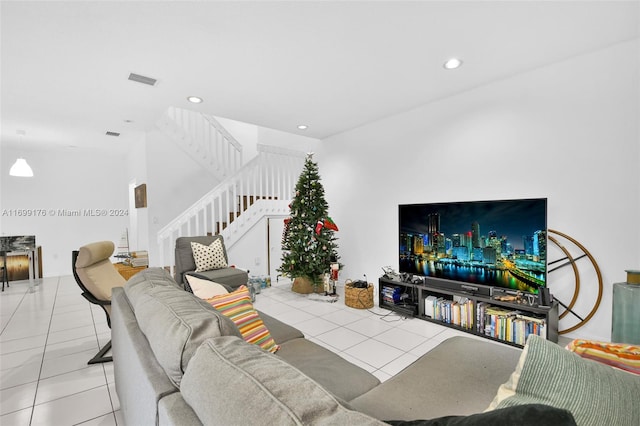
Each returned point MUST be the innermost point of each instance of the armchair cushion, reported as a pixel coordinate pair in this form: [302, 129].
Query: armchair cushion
[96, 271]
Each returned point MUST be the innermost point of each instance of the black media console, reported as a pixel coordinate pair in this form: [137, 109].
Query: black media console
[500, 315]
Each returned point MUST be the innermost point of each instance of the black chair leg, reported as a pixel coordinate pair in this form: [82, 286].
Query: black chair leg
[5, 277]
[99, 358]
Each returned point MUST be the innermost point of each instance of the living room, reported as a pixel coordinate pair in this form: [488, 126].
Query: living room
[565, 129]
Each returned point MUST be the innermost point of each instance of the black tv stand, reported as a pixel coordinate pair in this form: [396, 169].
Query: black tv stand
[493, 315]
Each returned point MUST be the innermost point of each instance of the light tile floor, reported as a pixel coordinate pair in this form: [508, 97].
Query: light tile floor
[47, 337]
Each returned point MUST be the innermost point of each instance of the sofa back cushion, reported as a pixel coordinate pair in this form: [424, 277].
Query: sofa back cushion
[230, 382]
[175, 322]
[145, 281]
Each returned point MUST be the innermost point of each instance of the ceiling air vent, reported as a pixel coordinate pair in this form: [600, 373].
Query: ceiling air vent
[116, 134]
[142, 79]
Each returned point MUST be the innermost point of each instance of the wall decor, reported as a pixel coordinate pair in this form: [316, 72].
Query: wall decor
[141, 196]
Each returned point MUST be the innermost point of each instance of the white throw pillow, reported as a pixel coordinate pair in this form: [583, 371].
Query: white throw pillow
[208, 257]
[205, 289]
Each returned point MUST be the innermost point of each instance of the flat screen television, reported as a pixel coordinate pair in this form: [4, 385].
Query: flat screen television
[476, 245]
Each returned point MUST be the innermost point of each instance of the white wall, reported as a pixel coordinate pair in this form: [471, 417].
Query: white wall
[70, 180]
[568, 132]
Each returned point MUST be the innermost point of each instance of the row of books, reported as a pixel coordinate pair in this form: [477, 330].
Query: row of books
[390, 294]
[506, 324]
[458, 311]
[138, 258]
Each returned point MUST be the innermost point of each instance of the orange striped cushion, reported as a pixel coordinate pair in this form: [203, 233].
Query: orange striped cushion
[619, 355]
[237, 306]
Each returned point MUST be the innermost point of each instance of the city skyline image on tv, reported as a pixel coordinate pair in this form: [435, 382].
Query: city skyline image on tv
[498, 243]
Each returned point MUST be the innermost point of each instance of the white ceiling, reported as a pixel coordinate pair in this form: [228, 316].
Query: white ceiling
[330, 65]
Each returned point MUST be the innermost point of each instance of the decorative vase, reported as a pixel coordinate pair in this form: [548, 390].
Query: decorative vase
[625, 326]
[304, 285]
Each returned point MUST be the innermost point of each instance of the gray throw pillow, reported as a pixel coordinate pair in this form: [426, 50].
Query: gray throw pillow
[594, 393]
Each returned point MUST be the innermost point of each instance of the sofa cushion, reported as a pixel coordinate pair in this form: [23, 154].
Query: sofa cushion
[208, 257]
[227, 377]
[280, 331]
[456, 365]
[237, 306]
[204, 288]
[594, 393]
[144, 281]
[342, 378]
[176, 323]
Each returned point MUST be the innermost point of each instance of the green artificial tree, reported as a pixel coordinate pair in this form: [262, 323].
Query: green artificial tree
[308, 241]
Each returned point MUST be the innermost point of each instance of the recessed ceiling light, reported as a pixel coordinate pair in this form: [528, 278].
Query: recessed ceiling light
[452, 63]
[194, 99]
[302, 127]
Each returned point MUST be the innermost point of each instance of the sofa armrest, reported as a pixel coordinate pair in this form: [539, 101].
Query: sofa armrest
[140, 380]
[173, 410]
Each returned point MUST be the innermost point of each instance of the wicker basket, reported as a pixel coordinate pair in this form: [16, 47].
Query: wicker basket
[359, 298]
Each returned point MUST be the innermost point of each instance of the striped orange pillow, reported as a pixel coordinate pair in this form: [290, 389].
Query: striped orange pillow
[623, 356]
[238, 308]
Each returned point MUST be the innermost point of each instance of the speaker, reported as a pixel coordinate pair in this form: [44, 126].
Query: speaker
[544, 297]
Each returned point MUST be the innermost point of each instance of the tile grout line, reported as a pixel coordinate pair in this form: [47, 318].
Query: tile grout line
[104, 371]
[14, 311]
[53, 306]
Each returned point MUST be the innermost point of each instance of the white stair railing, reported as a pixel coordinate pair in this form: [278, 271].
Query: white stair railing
[204, 139]
[262, 187]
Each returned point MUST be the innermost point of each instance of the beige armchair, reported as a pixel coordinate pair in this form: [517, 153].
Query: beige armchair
[96, 276]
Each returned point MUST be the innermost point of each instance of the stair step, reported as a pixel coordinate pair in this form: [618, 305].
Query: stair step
[248, 200]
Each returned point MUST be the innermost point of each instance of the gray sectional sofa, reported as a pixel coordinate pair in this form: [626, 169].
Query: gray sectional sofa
[177, 361]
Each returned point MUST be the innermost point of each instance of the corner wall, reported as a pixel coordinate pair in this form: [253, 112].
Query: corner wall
[568, 132]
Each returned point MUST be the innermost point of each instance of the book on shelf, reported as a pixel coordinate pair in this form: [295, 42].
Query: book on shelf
[458, 312]
[139, 258]
[509, 325]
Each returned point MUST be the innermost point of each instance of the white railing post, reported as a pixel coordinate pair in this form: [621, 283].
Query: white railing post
[267, 180]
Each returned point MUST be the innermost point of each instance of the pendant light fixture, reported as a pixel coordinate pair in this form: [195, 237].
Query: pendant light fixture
[20, 168]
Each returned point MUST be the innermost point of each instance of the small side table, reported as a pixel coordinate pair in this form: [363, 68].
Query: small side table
[128, 271]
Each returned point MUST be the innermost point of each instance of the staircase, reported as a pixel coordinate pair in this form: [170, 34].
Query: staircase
[262, 187]
[203, 139]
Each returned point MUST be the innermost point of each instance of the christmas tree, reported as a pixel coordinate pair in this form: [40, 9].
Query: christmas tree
[308, 242]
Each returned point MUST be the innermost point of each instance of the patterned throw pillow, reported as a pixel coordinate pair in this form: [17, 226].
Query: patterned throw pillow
[208, 257]
[237, 306]
[619, 355]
